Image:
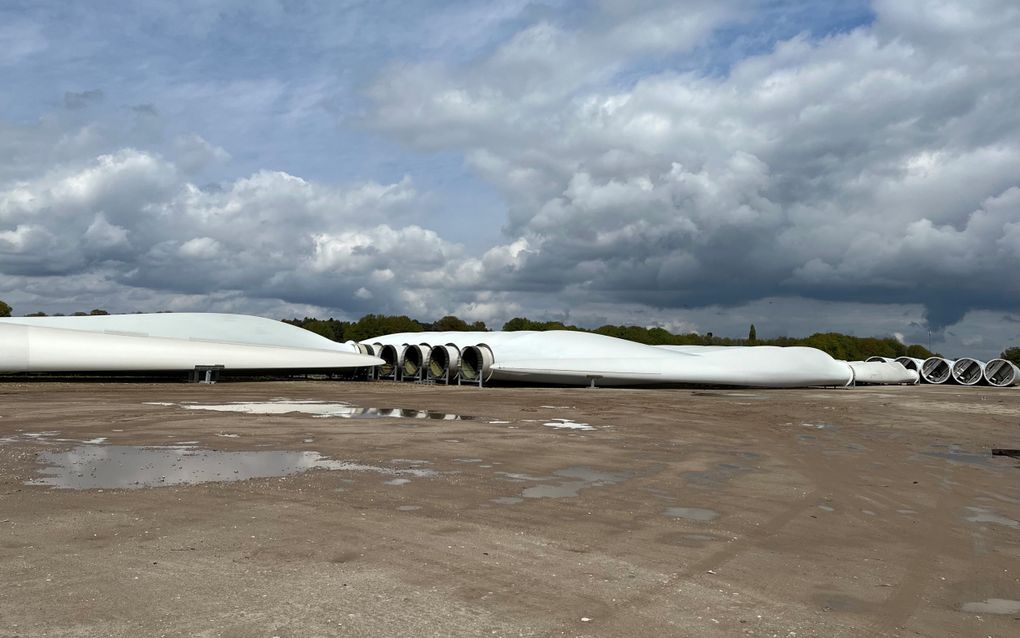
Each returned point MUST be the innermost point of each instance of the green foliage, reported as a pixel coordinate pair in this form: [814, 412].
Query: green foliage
[919, 352]
[1011, 354]
[329, 328]
[520, 323]
[98, 311]
[36, 314]
[850, 348]
[5, 310]
[838, 345]
[449, 323]
[375, 325]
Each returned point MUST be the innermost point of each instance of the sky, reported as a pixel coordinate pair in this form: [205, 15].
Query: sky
[700, 165]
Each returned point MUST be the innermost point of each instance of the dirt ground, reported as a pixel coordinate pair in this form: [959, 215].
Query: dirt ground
[788, 513]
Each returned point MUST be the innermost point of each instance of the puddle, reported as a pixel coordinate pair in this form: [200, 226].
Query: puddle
[957, 455]
[686, 539]
[408, 508]
[518, 477]
[985, 515]
[739, 395]
[49, 437]
[397, 481]
[826, 508]
[319, 409]
[992, 606]
[132, 467]
[583, 478]
[818, 426]
[567, 424]
[721, 474]
[692, 513]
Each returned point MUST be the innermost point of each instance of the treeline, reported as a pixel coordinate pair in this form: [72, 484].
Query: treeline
[5, 311]
[375, 325]
[838, 345]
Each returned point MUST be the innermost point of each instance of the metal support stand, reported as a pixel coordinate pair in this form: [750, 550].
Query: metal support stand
[205, 374]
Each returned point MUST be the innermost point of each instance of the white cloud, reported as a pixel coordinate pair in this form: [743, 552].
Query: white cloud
[194, 153]
[868, 165]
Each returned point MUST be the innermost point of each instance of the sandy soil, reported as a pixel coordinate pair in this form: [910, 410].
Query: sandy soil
[678, 513]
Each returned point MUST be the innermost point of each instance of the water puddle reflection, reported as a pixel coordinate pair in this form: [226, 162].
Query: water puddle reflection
[956, 454]
[133, 467]
[698, 514]
[567, 424]
[993, 606]
[580, 478]
[986, 515]
[318, 409]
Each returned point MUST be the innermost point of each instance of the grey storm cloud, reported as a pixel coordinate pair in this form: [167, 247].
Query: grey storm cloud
[133, 215]
[876, 165]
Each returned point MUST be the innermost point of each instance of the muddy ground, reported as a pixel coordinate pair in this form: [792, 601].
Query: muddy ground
[785, 513]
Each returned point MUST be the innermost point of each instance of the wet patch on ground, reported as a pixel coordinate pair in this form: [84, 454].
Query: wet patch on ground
[699, 514]
[49, 437]
[986, 515]
[1001, 606]
[567, 424]
[87, 467]
[318, 409]
[689, 539]
[956, 454]
[579, 478]
[721, 474]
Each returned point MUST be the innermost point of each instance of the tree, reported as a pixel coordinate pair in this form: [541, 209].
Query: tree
[752, 335]
[375, 325]
[98, 311]
[523, 323]
[1011, 354]
[917, 351]
[5, 310]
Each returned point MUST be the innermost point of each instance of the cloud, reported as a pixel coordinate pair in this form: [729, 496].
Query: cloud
[873, 165]
[697, 167]
[80, 99]
[194, 153]
[135, 218]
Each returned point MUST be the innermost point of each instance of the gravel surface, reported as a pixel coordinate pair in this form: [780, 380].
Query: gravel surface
[316, 508]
